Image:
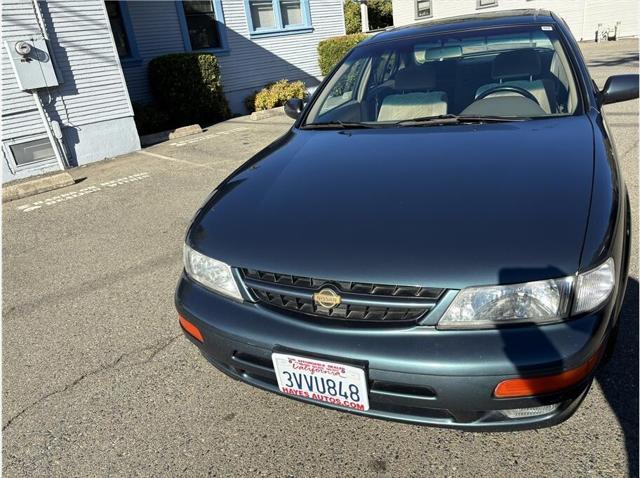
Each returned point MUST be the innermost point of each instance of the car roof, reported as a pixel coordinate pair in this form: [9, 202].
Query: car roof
[476, 21]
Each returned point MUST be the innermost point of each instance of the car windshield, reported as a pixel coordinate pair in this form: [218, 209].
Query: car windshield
[509, 73]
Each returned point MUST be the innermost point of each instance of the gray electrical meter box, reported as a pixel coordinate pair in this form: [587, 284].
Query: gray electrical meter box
[32, 63]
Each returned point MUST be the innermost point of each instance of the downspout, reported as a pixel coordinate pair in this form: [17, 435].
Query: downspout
[36, 9]
[52, 139]
[56, 143]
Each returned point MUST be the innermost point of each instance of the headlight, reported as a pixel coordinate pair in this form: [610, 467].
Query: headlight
[543, 301]
[211, 273]
[532, 302]
[594, 287]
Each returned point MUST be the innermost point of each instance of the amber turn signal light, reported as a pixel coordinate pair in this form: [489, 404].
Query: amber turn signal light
[527, 387]
[190, 329]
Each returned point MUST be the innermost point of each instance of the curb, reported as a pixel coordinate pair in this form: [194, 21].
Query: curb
[259, 115]
[154, 138]
[36, 186]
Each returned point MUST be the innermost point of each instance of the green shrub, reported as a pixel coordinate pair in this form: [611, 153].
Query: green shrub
[275, 94]
[150, 119]
[332, 50]
[187, 86]
[352, 23]
[380, 15]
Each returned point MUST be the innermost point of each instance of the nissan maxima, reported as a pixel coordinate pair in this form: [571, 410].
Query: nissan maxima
[442, 237]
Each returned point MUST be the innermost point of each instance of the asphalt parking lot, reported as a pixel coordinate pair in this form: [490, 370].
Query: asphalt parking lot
[98, 380]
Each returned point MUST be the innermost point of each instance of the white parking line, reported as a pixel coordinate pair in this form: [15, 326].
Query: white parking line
[169, 158]
[207, 136]
[81, 192]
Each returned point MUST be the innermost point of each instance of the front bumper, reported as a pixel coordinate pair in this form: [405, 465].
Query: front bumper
[416, 374]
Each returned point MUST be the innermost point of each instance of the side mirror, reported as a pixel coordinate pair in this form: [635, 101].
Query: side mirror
[619, 88]
[293, 108]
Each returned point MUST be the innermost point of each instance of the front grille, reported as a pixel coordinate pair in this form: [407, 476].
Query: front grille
[361, 302]
[354, 287]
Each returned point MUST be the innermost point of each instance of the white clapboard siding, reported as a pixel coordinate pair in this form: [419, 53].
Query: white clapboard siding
[157, 32]
[250, 62]
[582, 16]
[14, 100]
[93, 87]
[19, 114]
[26, 123]
[608, 14]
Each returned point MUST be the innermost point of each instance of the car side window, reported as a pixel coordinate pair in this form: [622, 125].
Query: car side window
[385, 67]
[391, 67]
[345, 89]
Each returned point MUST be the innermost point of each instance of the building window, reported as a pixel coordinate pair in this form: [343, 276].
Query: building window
[291, 11]
[202, 24]
[423, 9]
[262, 15]
[34, 151]
[116, 19]
[486, 3]
[122, 31]
[266, 17]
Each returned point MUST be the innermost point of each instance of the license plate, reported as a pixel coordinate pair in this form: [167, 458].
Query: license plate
[328, 382]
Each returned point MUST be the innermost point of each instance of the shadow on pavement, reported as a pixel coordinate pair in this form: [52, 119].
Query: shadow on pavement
[618, 378]
[614, 61]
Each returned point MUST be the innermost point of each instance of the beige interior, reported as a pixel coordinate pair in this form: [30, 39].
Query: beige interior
[536, 88]
[413, 105]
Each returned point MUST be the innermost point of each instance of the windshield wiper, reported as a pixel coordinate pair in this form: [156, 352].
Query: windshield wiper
[338, 125]
[455, 119]
[422, 121]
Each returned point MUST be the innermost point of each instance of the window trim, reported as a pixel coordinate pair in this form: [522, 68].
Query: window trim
[481, 7]
[14, 167]
[306, 26]
[134, 55]
[415, 10]
[222, 33]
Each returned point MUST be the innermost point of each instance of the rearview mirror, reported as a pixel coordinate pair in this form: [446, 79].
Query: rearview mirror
[293, 108]
[619, 88]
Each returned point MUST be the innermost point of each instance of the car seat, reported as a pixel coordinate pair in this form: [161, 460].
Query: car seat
[413, 97]
[518, 68]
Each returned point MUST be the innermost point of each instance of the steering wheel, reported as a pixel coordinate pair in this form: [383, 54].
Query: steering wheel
[511, 89]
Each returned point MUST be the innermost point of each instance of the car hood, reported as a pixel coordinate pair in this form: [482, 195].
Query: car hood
[446, 206]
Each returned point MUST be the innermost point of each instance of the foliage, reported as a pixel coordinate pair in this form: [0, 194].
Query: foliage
[352, 22]
[150, 119]
[187, 86]
[380, 15]
[275, 94]
[332, 50]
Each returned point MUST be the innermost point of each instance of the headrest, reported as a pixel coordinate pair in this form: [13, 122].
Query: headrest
[415, 78]
[516, 64]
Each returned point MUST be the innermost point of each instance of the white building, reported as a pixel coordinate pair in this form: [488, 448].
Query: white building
[67, 97]
[585, 17]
